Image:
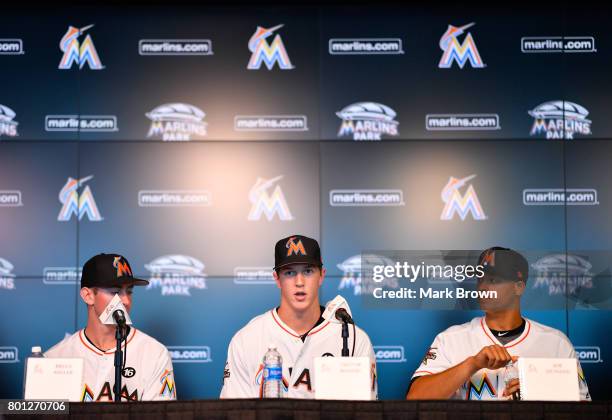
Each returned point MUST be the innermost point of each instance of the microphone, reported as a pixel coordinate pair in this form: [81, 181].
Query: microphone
[342, 315]
[119, 318]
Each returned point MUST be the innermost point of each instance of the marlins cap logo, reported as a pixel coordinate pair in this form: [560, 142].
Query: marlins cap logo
[122, 267]
[295, 248]
[488, 259]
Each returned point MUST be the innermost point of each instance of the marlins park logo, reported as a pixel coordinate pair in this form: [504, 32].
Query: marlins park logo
[78, 204]
[562, 274]
[560, 120]
[389, 354]
[79, 52]
[177, 122]
[190, 354]
[11, 46]
[458, 203]
[7, 278]
[263, 52]
[367, 121]
[8, 125]
[176, 275]
[352, 273]
[454, 51]
[9, 354]
[266, 203]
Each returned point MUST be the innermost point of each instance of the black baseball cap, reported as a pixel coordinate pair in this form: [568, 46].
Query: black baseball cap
[297, 249]
[504, 264]
[109, 270]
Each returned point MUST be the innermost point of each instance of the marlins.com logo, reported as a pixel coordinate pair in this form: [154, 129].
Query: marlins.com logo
[263, 203]
[78, 204]
[462, 204]
[367, 121]
[176, 275]
[389, 354]
[560, 120]
[177, 122]
[562, 274]
[7, 278]
[79, 53]
[461, 53]
[8, 127]
[9, 354]
[268, 54]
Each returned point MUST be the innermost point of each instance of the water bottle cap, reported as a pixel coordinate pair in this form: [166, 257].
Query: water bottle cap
[36, 349]
[271, 346]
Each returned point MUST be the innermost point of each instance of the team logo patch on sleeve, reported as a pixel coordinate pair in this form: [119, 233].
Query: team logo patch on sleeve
[430, 355]
[226, 372]
[167, 380]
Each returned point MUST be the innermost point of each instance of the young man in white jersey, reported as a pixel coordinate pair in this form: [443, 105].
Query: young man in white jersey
[468, 361]
[147, 372]
[297, 328]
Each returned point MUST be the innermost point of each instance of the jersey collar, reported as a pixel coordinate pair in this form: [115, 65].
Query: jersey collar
[287, 329]
[89, 345]
[512, 343]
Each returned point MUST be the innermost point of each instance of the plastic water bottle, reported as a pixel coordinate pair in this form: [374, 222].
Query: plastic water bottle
[272, 373]
[510, 373]
[36, 352]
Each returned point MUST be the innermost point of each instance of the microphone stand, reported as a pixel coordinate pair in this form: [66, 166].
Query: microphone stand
[345, 335]
[118, 362]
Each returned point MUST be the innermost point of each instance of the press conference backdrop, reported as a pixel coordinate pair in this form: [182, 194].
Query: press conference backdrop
[191, 138]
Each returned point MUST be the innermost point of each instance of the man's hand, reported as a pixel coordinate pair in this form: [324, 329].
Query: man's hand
[512, 387]
[492, 357]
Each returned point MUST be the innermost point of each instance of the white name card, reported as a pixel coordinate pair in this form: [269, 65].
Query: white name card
[342, 378]
[54, 379]
[544, 379]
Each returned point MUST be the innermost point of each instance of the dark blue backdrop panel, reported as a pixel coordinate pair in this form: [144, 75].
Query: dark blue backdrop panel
[33, 236]
[220, 235]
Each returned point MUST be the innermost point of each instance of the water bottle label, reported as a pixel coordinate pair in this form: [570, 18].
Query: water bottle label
[273, 373]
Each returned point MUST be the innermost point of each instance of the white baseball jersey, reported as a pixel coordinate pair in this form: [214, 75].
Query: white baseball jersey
[148, 373]
[244, 367]
[459, 342]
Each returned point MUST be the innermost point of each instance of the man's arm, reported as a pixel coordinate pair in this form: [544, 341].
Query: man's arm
[236, 380]
[364, 349]
[444, 384]
[161, 386]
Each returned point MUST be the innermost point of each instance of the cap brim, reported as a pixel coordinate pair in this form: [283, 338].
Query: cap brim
[316, 264]
[131, 281]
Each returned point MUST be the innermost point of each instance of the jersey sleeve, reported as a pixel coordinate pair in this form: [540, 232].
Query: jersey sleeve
[567, 350]
[435, 360]
[236, 382]
[363, 348]
[161, 385]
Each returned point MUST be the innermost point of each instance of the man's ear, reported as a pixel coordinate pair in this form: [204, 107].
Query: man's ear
[276, 278]
[323, 271]
[519, 288]
[87, 295]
